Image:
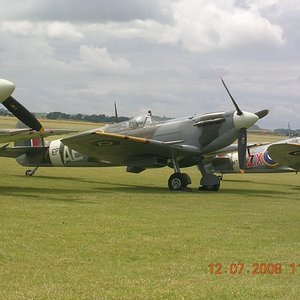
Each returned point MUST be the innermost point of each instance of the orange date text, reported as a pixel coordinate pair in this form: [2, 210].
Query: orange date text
[253, 269]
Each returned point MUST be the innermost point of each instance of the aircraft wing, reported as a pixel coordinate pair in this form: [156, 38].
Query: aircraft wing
[286, 154]
[12, 135]
[126, 150]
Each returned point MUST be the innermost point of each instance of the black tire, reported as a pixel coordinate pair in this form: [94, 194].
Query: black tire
[178, 181]
[28, 173]
[210, 188]
[187, 179]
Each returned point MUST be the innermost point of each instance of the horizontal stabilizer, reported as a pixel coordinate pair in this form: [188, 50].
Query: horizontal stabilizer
[12, 135]
[15, 152]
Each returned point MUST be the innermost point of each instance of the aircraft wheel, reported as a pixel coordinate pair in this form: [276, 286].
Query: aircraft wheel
[213, 188]
[178, 181]
[187, 179]
[210, 182]
[28, 173]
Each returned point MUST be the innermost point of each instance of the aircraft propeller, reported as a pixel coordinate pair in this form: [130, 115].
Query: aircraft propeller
[116, 113]
[16, 108]
[242, 122]
[262, 113]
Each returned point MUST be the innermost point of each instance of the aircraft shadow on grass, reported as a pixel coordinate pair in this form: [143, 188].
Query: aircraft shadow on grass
[55, 178]
[264, 193]
[38, 193]
[50, 194]
[293, 187]
[111, 187]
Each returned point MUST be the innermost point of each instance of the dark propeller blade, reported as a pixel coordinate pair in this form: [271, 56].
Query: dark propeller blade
[242, 148]
[262, 113]
[239, 112]
[116, 113]
[18, 110]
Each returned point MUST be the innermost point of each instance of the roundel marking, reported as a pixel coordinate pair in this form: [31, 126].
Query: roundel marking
[268, 160]
[106, 143]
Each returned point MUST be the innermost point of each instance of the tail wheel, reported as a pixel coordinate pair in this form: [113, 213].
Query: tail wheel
[28, 173]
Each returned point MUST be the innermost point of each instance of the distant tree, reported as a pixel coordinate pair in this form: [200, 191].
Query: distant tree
[101, 118]
[54, 115]
[77, 117]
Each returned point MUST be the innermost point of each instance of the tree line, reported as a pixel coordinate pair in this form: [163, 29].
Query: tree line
[100, 118]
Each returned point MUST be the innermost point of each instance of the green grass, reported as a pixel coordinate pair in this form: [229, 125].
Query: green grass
[101, 233]
[105, 234]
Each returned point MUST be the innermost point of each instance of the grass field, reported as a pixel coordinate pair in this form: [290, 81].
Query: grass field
[101, 233]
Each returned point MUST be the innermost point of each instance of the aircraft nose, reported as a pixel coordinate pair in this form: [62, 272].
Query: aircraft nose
[6, 89]
[246, 120]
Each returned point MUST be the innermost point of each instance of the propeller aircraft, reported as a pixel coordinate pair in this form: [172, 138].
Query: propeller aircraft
[279, 157]
[144, 142]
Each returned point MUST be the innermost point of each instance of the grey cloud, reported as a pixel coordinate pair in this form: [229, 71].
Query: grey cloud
[84, 67]
[83, 11]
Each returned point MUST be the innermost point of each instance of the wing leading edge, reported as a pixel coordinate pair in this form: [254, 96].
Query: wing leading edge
[286, 154]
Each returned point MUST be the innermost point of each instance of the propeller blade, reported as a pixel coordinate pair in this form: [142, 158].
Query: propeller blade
[116, 113]
[262, 113]
[290, 131]
[239, 112]
[18, 110]
[242, 149]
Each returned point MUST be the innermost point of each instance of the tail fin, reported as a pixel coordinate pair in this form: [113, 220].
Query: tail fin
[36, 142]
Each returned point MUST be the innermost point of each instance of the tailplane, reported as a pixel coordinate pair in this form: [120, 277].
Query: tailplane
[35, 142]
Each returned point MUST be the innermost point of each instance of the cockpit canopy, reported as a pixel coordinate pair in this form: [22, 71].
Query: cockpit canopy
[134, 123]
[140, 121]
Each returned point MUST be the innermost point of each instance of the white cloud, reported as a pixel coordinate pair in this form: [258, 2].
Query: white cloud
[100, 60]
[205, 26]
[63, 30]
[60, 30]
[149, 30]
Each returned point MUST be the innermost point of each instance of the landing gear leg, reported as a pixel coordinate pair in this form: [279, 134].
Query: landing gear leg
[178, 181]
[31, 172]
[209, 181]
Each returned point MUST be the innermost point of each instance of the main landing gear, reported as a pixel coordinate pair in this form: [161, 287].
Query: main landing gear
[209, 181]
[178, 181]
[31, 172]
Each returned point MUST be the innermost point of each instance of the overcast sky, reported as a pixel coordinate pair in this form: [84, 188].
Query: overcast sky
[164, 55]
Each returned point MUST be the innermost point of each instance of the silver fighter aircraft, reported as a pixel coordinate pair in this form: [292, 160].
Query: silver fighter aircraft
[279, 157]
[143, 142]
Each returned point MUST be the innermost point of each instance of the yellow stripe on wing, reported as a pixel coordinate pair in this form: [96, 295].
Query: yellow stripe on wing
[125, 137]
